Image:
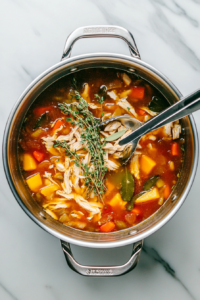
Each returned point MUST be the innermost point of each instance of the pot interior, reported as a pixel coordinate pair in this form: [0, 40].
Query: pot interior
[22, 193]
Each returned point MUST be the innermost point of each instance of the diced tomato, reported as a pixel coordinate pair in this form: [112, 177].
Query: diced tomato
[41, 110]
[167, 191]
[175, 149]
[138, 92]
[106, 217]
[58, 123]
[109, 226]
[130, 218]
[141, 112]
[38, 155]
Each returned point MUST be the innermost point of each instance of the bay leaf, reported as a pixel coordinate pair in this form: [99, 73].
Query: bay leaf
[157, 104]
[127, 186]
[130, 204]
[115, 136]
[150, 183]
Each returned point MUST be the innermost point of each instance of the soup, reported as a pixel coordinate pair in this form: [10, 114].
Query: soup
[74, 169]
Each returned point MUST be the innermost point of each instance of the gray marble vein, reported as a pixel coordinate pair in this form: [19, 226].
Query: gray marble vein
[151, 252]
[174, 7]
[172, 37]
[8, 292]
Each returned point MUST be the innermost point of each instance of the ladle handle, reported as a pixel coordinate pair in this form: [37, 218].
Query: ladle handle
[180, 109]
[102, 271]
[96, 31]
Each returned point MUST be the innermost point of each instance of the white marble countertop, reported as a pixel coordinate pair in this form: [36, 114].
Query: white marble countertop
[32, 265]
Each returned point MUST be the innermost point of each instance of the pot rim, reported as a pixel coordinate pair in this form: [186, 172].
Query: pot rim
[130, 239]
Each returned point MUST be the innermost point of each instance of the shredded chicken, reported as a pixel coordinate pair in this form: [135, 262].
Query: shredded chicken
[135, 167]
[104, 133]
[86, 204]
[152, 137]
[122, 127]
[168, 129]
[76, 146]
[60, 167]
[94, 106]
[127, 106]
[67, 184]
[67, 162]
[49, 141]
[111, 165]
[48, 176]
[126, 79]
[112, 95]
[106, 117]
[87, 159]
[173, 129]
[176, 131]
[112, 126]
[150, 112]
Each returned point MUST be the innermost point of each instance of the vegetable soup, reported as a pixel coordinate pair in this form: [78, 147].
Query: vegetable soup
[74, 169]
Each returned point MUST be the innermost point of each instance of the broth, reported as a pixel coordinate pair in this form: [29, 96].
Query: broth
[75, 174]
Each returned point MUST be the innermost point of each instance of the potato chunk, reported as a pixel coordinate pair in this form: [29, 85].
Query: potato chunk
[148, 196]
[29, 162]
[34, 182]
[147, 164]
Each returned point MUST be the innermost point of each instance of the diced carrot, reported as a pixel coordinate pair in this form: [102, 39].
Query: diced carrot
[109, 226]
[58, 124]
[141, 112]
[137, 92]
[38, 155]
[136, 211]
[167, 191]
[41, 110]
[175, 149]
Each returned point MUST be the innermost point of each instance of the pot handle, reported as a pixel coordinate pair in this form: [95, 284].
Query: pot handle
[100, 31]
[95, 271]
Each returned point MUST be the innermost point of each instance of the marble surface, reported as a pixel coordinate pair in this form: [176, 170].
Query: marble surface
[33, 32]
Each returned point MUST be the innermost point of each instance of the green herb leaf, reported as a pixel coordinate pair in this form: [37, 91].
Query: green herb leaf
[127, 186]
[115, 136]
[157, 104]
[40, 121]
[150, 183]
[130, 204]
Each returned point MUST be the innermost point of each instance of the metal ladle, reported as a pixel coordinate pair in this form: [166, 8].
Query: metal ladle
[178, 110]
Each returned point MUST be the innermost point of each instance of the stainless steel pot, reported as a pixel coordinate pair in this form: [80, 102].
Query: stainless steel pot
[135, 235]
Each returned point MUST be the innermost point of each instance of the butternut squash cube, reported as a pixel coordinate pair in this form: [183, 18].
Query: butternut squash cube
[37, 132]
[34, 182]
[29, 162]
[148, 196]
[147, 164]
[53, 151]
[48, 190]
[47, 182]
[117, 200]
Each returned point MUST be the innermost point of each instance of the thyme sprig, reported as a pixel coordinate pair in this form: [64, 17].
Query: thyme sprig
[79, 115]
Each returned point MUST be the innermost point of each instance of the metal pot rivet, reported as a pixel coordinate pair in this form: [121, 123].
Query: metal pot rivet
[42, 214]
[132, 232]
